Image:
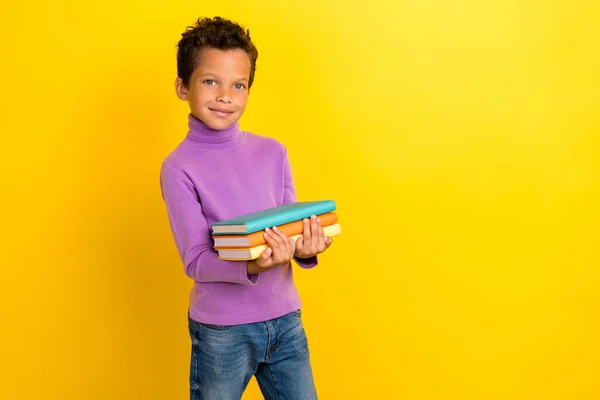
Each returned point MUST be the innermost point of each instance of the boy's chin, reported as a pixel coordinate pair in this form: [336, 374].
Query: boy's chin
[216, 123]
[219, 125]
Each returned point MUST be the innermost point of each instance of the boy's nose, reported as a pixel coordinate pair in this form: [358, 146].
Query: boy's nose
[224, 95]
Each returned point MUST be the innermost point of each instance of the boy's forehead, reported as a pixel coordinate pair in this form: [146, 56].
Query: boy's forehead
[223, 60]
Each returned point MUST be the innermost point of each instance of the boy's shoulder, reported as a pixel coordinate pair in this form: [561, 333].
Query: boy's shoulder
[257, 140]
[176, 158]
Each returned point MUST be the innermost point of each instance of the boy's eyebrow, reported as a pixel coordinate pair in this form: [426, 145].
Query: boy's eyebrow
[217, 76]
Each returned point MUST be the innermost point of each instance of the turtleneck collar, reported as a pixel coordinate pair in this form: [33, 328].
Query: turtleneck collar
[213, 138]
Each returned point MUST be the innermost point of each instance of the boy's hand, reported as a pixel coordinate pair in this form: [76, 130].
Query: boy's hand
[281, 250]
[313, 241]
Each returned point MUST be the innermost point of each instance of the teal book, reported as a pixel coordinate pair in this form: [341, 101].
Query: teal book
[270, 217]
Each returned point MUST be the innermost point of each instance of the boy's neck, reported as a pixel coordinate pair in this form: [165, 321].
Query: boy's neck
[213, 138]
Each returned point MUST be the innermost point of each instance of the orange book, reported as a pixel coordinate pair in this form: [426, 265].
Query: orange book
[257, 238]
[252, 253]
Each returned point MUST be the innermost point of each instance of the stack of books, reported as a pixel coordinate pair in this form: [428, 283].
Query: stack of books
[242, 238]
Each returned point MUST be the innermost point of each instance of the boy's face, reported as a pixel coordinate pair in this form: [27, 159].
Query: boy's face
[218, 89]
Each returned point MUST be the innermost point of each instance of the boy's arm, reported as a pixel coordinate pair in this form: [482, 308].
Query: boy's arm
[289, 196]
[192, 233]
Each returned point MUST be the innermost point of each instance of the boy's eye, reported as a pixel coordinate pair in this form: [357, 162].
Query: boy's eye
[210, 81]
[240, 86]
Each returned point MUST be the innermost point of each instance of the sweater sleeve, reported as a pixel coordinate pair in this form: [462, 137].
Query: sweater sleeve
[192, 232]
[289, 196]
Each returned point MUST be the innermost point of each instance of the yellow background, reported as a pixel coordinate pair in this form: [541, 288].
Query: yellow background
[460, 140]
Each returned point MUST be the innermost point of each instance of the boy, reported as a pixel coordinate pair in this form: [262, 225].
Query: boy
[244, 317]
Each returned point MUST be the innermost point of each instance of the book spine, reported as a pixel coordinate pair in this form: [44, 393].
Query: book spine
[331, 230]
[290, 216]
[289, 229]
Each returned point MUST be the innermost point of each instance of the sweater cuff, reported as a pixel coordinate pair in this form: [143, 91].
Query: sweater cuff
[251, 279]
[307, 263]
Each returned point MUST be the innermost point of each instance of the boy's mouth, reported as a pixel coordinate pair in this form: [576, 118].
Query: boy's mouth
[221, 112]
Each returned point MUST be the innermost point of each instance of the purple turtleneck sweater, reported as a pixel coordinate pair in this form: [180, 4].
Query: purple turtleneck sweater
[214, 175]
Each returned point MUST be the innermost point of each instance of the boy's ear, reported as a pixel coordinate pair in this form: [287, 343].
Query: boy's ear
[180, 90]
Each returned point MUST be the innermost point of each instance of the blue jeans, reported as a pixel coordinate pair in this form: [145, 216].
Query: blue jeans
[224, 359]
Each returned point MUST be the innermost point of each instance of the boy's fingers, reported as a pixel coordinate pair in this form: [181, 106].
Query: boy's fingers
[328, 241]
[273, 239]
[321, 235]
[313, 227]
[290, 245]
[280, 234]
[314, 234]
[267, 253]
[300, 243]
[263, 260]
[306, 230]
[274, 244]
[287, 243]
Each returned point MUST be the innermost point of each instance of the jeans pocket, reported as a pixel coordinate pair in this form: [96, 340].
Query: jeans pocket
[196, 325]
[216, 327]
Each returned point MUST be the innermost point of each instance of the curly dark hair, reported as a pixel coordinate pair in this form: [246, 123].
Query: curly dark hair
[216, 33]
